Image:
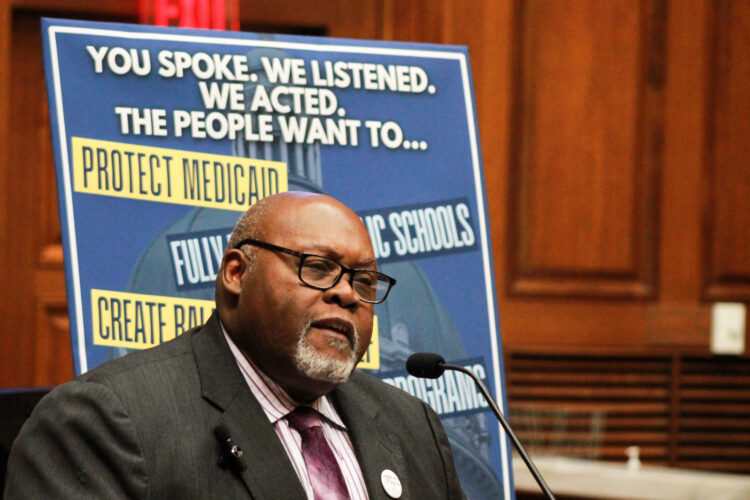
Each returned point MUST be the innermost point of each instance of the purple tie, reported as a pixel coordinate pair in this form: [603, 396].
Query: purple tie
[325, 475]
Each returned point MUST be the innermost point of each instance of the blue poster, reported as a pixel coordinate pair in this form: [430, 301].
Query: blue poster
[164, 136]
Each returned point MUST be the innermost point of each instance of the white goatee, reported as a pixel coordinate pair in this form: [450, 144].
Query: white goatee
[318, 366]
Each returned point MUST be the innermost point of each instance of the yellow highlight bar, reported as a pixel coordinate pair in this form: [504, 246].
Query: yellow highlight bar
[174, 176]
[140, 321]
[371, 359]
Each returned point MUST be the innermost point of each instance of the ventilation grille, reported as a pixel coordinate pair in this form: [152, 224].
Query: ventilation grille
[685, 411]
[714, 424]
[591, 407]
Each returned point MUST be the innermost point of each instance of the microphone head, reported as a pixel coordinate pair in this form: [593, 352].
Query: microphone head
[425, 365]
[222, 434]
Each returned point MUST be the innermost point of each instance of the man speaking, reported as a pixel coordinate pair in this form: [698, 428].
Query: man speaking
[261, 401]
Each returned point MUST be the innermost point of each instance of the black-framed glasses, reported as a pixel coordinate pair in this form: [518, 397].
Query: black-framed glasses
[323, 273]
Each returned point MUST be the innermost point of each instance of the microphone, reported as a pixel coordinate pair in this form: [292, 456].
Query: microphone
[431, 365]
[231, 456]
[425, 365]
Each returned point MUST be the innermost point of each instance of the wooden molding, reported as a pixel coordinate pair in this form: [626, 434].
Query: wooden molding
[726, 221]
[586, 149]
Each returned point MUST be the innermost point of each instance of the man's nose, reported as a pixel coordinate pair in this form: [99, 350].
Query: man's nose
[343, 292]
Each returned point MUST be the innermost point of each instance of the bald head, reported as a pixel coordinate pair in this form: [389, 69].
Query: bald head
[278, 207]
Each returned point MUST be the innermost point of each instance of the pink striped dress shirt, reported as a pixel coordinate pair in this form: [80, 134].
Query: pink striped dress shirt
[276, 404]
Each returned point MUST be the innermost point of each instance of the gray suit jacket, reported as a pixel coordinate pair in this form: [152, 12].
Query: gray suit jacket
[142, 427]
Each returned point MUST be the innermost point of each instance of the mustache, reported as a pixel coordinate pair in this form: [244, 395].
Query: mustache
[347, 328]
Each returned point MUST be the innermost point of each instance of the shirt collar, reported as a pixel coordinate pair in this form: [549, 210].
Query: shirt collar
[274, 400]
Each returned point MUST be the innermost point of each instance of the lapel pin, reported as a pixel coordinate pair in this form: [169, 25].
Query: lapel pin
[391, 483]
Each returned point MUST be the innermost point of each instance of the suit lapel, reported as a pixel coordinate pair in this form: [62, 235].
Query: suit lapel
[269, 474]
[376, 446]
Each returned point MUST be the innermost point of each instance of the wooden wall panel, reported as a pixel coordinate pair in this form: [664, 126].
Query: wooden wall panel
[6, 15]
[33, 229]
[339, 18]
[587, 124]
[5, 30]
[418, 20]
[52, 354]
[681, 265]
[728, 175]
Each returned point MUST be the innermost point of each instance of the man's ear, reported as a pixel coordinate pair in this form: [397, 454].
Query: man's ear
[233, 266]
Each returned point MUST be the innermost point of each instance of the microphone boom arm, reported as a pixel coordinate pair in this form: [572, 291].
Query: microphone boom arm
[506, 426]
